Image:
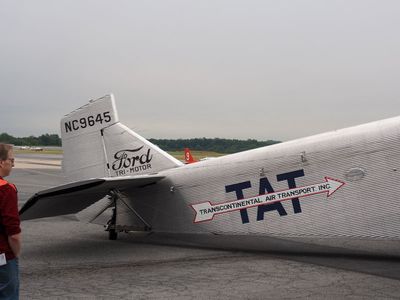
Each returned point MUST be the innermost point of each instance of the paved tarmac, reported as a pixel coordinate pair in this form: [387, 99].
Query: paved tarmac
[66, 259]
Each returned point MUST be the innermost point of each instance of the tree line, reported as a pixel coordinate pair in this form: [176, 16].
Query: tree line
[43, 140]
[202, 144]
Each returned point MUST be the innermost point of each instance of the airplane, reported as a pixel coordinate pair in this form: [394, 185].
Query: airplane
[36, 148]
[335, 192]
[189, 159]
[31, 148]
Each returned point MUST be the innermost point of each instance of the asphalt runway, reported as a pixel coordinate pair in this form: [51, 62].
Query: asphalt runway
[65, 259]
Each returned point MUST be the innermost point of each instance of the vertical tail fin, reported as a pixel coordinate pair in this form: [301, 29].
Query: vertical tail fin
[96, 144]
[188, 157]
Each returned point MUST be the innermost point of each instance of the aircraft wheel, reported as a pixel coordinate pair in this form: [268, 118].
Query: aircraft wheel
[112, 234]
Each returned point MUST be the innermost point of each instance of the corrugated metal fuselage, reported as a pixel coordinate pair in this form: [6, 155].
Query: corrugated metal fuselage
[366, 207]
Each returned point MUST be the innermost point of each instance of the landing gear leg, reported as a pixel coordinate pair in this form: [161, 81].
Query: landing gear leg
[112, 232]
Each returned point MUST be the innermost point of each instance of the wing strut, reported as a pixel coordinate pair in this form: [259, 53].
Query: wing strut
[121, 197]
[112, 227]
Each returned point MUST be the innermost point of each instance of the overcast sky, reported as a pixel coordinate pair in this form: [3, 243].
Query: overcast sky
[209, 68]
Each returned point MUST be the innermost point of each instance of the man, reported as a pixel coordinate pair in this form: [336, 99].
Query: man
[10, 231]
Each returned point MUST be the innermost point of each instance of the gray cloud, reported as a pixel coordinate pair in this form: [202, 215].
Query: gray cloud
[235, 69]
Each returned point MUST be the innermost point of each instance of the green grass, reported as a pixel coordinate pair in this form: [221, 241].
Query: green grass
[177, 154]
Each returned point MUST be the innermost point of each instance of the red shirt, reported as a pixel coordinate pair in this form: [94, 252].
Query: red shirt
[9, 217]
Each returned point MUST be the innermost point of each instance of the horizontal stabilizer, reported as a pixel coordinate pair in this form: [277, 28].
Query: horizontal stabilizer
[74, 197]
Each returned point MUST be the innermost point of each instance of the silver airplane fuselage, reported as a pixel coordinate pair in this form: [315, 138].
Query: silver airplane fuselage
[336, 191]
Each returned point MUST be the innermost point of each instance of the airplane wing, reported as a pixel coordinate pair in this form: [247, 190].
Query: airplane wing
[74, 197]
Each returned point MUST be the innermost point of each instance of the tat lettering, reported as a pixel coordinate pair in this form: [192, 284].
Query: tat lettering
[265, 187]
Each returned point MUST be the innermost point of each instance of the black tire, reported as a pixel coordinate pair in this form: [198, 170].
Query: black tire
[112, 234]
